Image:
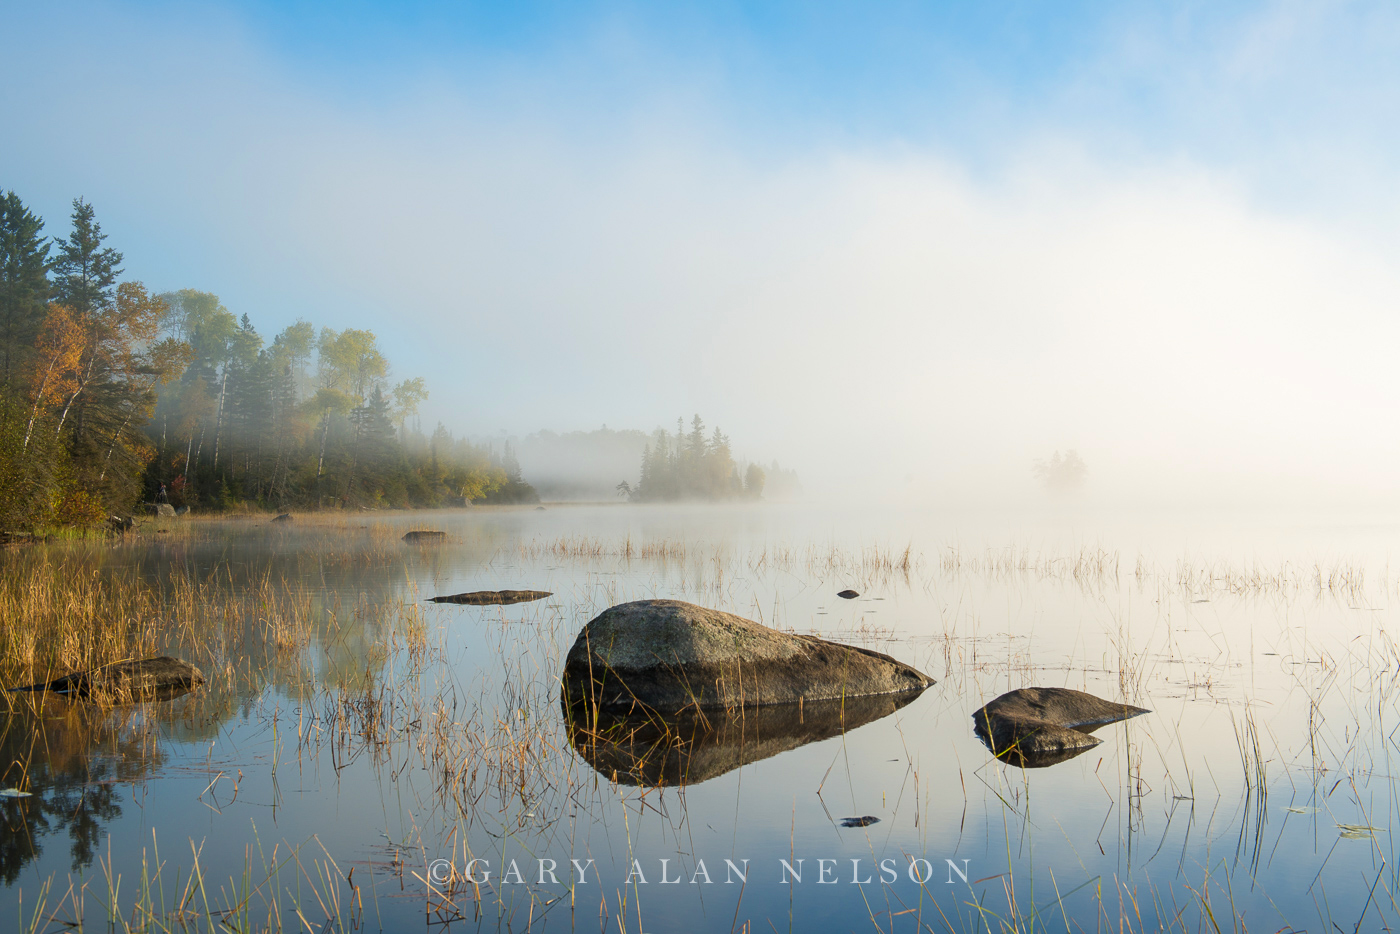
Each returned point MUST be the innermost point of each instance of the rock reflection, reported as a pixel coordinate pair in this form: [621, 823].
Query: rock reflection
[695, 746]
[1033, 759]
[73, 757]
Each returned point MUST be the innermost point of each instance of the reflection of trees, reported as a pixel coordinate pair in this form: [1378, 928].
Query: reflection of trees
[254, 607]
[72, 757]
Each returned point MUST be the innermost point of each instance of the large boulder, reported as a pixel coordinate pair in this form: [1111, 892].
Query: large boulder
[666, 655]
[159, 678]
[1036, 727]
[164, 510]
[694, 746]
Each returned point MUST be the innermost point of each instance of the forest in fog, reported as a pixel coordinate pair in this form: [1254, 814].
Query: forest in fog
[111, 396]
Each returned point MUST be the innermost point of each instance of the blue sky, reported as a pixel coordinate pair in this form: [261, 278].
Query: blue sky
[1160, 233]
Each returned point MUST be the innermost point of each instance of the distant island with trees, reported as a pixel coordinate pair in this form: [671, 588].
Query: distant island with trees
[607, 463]
[111, 396]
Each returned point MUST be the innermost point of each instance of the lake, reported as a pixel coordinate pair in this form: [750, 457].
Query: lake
[362, 759]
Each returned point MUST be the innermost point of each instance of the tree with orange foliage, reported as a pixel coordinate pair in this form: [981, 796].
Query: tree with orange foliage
[54, 367]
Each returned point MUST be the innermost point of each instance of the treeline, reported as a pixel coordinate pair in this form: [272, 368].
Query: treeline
[110, 396]
[692, 466]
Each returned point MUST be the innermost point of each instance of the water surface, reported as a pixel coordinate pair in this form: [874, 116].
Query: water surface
[403, 739]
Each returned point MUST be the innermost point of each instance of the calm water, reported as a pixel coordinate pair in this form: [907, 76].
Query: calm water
[340, 768]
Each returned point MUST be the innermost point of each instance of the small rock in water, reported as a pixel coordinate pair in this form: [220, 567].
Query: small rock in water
[161, 678]
[1037, 727]
[423, 535]
[283, 517]
[14, 793]
[848, 595]
[865, 821]
[539, 509]
[494, 597]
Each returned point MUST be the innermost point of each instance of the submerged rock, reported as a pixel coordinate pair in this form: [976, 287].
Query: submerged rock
[1036, 727]
[493, 597]
[865, 821]
[666, 655]
[423, 535]
[848, 595]
[695, 745]
[283, 517]
[159, 678]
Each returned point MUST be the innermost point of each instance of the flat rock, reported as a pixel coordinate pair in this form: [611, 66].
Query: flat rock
[667, 655]
[424, 535]
[494, 597]
[693, 746]
[157, 678]
[1036, 727]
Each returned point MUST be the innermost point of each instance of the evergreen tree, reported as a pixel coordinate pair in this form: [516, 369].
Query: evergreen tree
[85, 272]
[24, 285]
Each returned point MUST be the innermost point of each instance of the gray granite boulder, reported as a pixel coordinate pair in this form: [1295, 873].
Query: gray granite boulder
[1036, 727]
[666, 655]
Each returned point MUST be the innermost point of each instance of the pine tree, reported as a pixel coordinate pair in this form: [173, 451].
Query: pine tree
[24, 284]
[85, 272]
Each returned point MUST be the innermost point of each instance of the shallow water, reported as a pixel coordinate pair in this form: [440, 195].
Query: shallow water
[402, 739]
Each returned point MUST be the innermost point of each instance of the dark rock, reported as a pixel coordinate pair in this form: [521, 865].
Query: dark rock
[283, 517]
[159, 678]
[494, 597]
[666, 655]
[182, 510]
[865, 821]
[1036, 727]
[693, 746]
[423, 535]
[848, 595]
